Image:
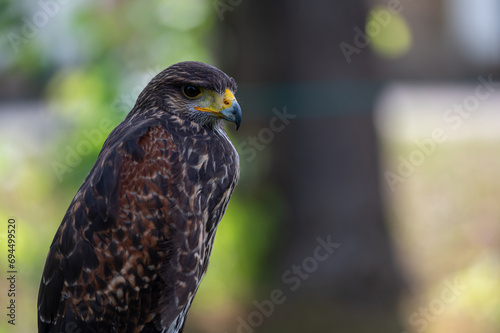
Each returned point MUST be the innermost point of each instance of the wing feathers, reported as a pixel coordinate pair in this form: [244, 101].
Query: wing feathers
[134, 243]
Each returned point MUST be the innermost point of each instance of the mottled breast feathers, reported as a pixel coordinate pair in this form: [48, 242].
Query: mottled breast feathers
[134, 244]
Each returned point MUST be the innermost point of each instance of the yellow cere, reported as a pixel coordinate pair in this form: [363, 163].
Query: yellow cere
[216, 103]
[228, 99]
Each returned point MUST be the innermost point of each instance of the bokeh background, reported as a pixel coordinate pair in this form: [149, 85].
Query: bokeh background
[371, 126]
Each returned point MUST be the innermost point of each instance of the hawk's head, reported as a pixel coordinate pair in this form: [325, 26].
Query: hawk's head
[193, 90]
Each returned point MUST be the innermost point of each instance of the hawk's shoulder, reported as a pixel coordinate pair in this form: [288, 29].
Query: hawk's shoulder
[142, 222]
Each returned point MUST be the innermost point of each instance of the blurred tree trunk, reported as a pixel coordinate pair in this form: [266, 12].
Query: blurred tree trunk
[325, 161]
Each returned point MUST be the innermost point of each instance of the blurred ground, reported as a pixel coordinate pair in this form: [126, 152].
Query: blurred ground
[444, 215]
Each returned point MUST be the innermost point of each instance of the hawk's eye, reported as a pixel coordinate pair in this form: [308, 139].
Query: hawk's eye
[191, 91]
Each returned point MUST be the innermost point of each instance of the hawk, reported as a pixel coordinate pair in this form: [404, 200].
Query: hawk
[135, 241]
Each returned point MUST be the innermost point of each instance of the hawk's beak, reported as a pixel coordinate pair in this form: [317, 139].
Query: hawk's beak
[232, 113]
[225, 107]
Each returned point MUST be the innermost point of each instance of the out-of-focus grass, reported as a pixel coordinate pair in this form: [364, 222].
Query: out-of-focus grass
[445, 222]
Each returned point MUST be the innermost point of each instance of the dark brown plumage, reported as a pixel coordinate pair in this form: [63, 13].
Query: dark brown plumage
[135, 241]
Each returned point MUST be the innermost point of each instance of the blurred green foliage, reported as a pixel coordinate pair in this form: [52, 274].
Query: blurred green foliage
[92, 59]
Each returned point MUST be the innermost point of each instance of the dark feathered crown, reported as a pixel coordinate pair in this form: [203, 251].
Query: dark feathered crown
[196, 73]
